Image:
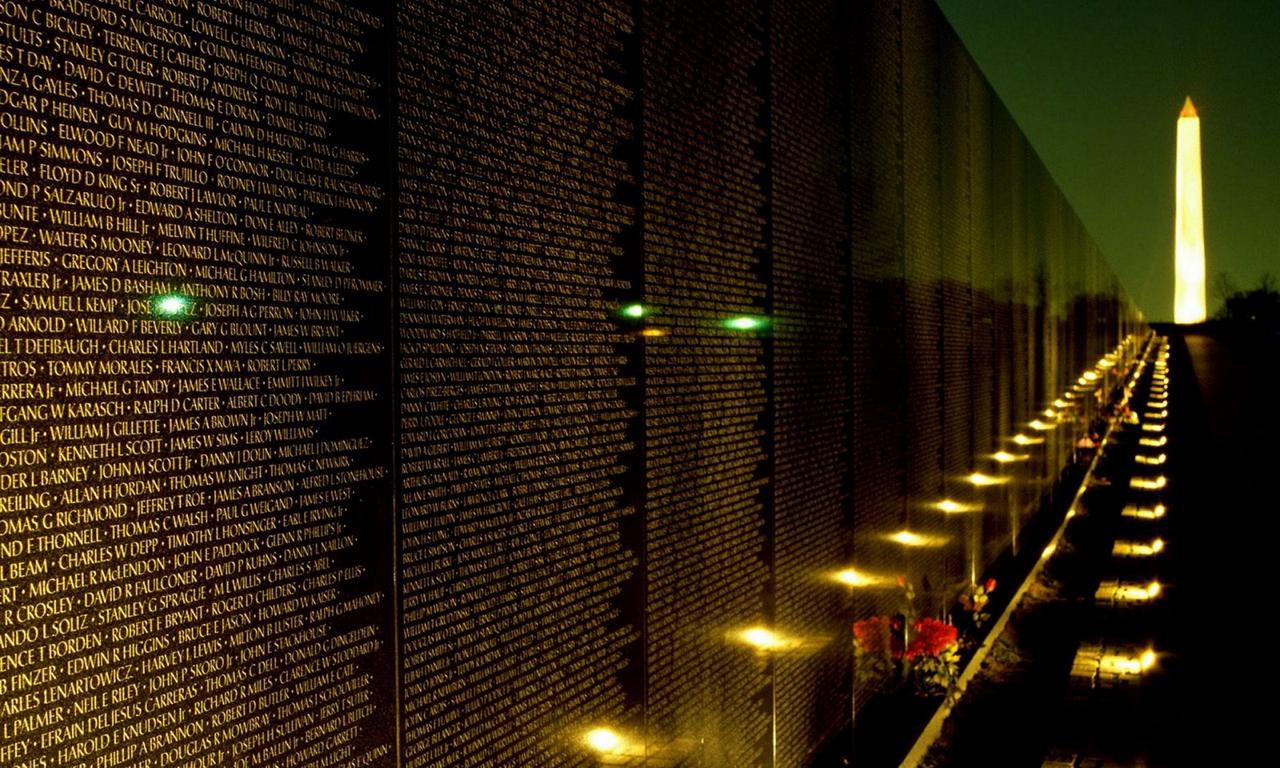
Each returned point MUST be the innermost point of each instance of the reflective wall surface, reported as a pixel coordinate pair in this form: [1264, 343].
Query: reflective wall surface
[542, 383]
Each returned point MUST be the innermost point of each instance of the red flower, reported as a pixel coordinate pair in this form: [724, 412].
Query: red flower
[989, 585]
[879, 634]
[931, 638]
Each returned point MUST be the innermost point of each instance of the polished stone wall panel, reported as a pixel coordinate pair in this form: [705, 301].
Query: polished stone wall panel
[392, 481]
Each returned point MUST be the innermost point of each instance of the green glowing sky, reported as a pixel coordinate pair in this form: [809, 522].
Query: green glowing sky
[1097, 86]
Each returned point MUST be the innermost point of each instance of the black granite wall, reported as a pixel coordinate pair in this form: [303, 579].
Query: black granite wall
[326, 438]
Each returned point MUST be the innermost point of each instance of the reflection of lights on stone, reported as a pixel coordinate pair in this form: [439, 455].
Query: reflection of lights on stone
[1155, 415]
[1148, 483]
[1151, 461]
[852, 577]
[1021, 439]
[1137, 548]
[1116, 664]
[1048, 551]
[1060, 403]
[745, 323]
[1041, 426]
[1148, 659]
[954, 507]
[1049, 413]
[171, 305]
[1089, 376]
[1154, 442]
[1144, 513]
[603, 740]
[911, 539]
[1149, 427]
[1114, 592]
[634, 311]
[982, 481]
[1004, 457]
[653, 333]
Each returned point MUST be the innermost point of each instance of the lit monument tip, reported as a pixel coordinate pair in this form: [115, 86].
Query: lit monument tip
[1188, 258]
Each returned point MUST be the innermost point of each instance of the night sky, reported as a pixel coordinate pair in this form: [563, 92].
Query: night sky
[1097, 86]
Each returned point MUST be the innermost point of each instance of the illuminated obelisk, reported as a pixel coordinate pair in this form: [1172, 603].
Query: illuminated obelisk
[1188, 257]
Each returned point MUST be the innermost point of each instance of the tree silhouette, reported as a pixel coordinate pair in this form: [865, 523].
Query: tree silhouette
[1258, 307]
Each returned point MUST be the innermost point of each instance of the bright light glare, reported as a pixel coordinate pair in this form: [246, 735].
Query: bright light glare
[1040, 426]
[954, 507]
[635, 311]
[603, 739]
[171, 305]
[1024, 440]
[852, 577]
[981, 480]
[745, 323]
[911, 539]
[1154, 442]
[1004, 457]
[653, 333]
[764, 639]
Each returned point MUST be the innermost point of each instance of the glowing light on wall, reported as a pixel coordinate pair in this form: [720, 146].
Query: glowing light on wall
[1024, 440]
[605, 740]
[1154, 442]
[745, 323]
[1188, 260]
[653, 333]
[981, 480]
[852, 577]
[1151, 460]
[912, 539]
[1004, 457]
[634, 311]
[954, 507]
[171, 306]
[764, 639]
